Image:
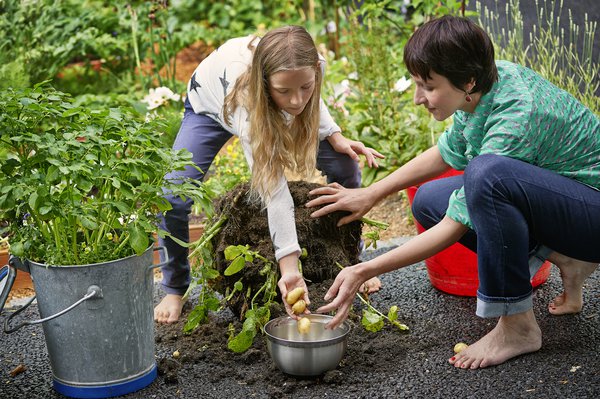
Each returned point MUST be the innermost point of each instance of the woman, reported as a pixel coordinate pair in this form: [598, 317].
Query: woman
[531, 187]
[267, 92]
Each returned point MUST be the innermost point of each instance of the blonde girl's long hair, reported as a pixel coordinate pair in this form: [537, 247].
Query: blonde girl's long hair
[278, 144]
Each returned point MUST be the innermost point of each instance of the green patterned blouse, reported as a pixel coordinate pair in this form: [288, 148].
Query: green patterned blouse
[527, 118]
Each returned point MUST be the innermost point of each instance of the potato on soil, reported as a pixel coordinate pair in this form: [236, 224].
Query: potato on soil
[293, 296]
[303, 325]
[299, 306]
[460, 347]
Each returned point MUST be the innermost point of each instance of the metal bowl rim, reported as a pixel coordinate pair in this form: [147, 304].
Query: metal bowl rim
[295, 343]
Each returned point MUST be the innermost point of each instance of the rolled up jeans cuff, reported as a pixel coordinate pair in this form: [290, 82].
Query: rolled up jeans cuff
[496, 307]
[537, 258]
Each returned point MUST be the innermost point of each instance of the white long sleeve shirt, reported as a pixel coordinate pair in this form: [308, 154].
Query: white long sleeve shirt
[210, 83]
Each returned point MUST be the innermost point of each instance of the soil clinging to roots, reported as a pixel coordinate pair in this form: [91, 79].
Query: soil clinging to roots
[326, 244]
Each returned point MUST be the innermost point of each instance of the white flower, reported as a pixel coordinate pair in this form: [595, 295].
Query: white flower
[159, 96]
[402, 84]
[342, 89]
[331, 28]
[353, 76]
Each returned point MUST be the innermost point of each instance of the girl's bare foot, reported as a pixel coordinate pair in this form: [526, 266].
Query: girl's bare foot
[573, 273]
[513, 335]
[169, 309]
[370, 286]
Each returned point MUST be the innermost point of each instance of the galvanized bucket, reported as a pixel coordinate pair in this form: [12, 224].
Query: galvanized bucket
[98, 324]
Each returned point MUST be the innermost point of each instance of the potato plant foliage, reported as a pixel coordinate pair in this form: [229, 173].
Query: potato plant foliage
[80, 186]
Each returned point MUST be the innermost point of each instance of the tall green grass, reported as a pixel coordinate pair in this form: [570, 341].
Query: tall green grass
[551, 50]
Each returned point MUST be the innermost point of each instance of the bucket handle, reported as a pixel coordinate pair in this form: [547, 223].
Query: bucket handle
[93, 291]
[165, 257]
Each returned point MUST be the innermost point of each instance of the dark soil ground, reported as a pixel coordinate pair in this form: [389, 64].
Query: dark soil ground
[387, 364]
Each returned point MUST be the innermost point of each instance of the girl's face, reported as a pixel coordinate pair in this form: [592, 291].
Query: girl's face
[440, 97]
[291, 90]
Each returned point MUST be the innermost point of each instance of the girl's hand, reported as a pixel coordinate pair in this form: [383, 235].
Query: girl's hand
[288, 282]
[341, 294]
[354, 148]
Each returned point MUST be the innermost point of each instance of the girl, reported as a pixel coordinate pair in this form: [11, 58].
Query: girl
[530, 191]
[267, 92]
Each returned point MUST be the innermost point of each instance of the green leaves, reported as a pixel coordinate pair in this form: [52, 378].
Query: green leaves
[372, 321]
[240, 254]
[70, 176]
[255, 319]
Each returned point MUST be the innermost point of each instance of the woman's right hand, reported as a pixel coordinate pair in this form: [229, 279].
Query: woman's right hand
[341, 294]
[358, 201]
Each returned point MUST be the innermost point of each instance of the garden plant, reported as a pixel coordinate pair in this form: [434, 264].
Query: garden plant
[91, 99]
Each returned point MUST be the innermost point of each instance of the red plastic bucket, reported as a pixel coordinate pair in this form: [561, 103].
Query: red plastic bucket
[454, 270]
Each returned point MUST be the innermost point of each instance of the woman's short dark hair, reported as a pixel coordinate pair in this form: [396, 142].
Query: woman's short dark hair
[455, 48]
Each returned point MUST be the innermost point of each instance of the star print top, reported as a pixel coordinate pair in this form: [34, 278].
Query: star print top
[210, 83]
[527, 118]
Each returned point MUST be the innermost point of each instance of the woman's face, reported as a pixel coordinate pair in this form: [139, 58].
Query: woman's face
[291, 90]
[439, 96]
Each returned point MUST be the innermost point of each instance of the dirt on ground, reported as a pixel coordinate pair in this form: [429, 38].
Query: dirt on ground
[326, 245]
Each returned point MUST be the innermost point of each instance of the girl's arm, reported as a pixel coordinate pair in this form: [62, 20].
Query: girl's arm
[354, 148]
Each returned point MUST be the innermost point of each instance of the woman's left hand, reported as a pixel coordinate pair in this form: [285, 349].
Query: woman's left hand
[354, 148]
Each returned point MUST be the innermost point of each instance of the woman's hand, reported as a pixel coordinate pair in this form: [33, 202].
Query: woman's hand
[353, 149]
[341, 293]
[358, 201]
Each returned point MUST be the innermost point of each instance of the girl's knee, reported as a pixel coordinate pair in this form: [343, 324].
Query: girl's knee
[345, 172]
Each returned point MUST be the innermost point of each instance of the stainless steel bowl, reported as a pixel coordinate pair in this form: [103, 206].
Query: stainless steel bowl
[309, 354]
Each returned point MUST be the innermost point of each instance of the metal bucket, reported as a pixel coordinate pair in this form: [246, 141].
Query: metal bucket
[98, 325]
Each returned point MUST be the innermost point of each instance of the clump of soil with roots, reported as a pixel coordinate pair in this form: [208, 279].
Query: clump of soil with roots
[325, 245]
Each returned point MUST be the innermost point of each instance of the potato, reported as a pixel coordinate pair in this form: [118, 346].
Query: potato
[304, 325]
[299, 306]
[295, 294]
[460, 346]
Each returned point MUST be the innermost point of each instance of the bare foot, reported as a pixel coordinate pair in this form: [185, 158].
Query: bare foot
[513, 335]
[370, 286]
[573, 273]
[169, 309]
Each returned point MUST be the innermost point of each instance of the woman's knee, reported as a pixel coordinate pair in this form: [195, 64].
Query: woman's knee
[426, 206]
[484, 171]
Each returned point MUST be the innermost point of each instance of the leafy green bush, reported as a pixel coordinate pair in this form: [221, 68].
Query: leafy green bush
[82, 186]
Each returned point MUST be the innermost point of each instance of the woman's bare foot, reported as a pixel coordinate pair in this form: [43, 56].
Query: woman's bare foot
[573, 273]
[370, 286]
[169, 309]
[514, 335]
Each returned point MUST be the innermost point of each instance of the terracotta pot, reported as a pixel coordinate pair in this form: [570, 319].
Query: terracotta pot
[454, 270]
[23, 280]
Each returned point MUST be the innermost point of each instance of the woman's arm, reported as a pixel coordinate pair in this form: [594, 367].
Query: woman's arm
[349, 280]
[359, 201]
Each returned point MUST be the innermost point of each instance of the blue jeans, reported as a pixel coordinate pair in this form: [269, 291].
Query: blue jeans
[204, 137]
[520, 213]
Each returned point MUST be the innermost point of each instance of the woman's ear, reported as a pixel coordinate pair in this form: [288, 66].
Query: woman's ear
[470, 85]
